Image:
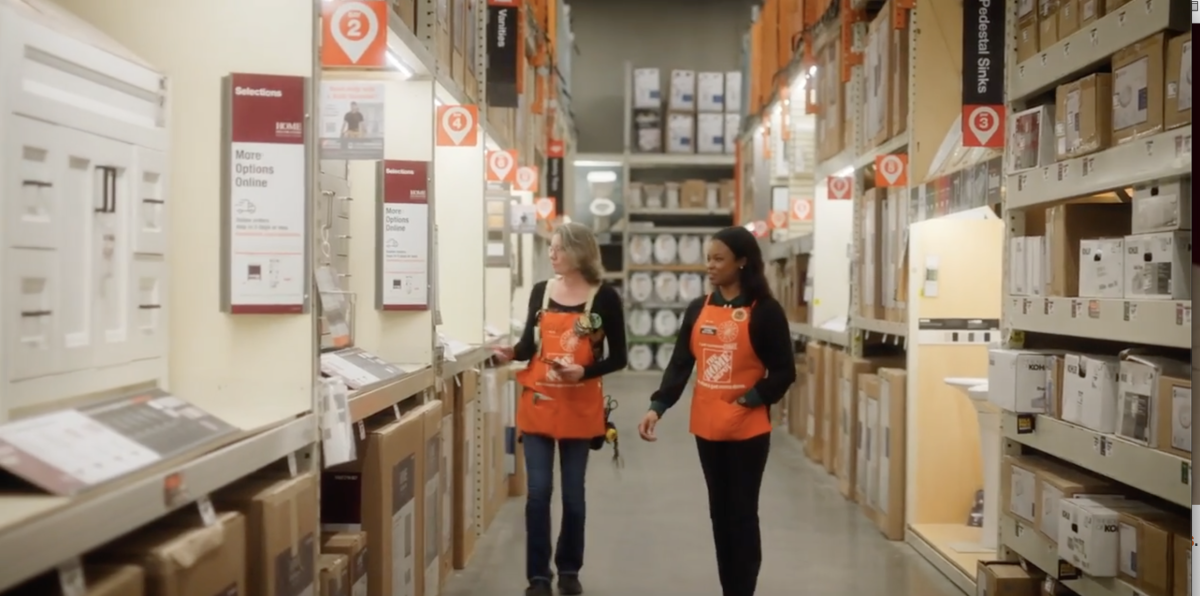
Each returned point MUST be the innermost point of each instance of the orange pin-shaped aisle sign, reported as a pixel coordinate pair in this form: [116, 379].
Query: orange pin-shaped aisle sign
[891, 170]
[802, 209]
[527, 178]
[502, 166]
[839, 188]
[546, 209]
[354, 34]
[458, 126]
[777, 220]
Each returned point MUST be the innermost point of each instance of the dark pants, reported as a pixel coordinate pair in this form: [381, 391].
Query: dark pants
[733, 471]
[539, 468]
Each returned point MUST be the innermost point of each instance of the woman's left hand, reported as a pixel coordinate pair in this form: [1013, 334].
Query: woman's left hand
[571, 373]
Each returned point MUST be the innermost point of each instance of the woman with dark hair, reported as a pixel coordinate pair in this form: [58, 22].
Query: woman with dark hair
[738, 341]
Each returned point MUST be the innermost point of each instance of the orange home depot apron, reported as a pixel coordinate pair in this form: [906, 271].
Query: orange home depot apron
[726, 369]
[550, 406]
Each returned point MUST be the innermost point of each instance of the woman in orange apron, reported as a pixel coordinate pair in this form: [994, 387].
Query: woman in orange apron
[738, 341]
[571, 319]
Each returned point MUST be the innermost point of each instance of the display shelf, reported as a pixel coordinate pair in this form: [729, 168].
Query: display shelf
[1024, 541]
[473, 358]
[1164, 155]
[887, 328]
[895, 145]
[641, 228]
[38, 533]
[795, 246]
[375, 399]
[589, 160]
[937, 544]
[671, 268]
[1160, 474]
[1094, 45]
[653, 305]
[686, 160]
[839, 165]
[1150, 322]
[829, 336]
[679, 212]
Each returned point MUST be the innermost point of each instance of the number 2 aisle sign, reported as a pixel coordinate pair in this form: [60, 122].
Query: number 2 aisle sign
[354, 34]
[458, 126]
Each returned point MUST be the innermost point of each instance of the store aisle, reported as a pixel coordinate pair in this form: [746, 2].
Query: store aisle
[648, 529]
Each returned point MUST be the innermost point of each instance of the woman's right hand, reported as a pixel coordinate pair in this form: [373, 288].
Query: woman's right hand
[503, 355]
[646, 427]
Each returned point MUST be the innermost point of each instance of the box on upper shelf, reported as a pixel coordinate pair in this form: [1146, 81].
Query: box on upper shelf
[1177, 109]
[733, 126]
[1158, 266]
[683, 91]
[1018, 380]
[1068, 18]
[1138, 89]
[1175, 414]
[1031, 137]
[710, 133]
[1139, 405]
[878, 66]
[1102, 268]
[831, 128]
[1027, 258]
[1089, 391]
[681, 133]
[647, 89]
[733, 92]
[1027, 29]
[1083, 116]
[710, 92]
[1088, 532]
[1047, 24]
[1164, 206]
[1067, 226]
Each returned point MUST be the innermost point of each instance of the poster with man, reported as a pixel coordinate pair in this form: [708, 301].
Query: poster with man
[352, 121]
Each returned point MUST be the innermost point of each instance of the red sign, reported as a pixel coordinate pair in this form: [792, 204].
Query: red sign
[555, 148]
[502, 166]
[982, 126]
[267, 109]
[778, 220]
[545, 208]
[891, 170]
[402, 255]
[405, 181]
[760, 229]
[458, 126]
[802, 210]
[527, 178]
[839, 188]
[354, 33]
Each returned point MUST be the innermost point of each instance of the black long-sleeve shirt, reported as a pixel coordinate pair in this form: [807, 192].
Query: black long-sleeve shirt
[607, 305]
[770, 337]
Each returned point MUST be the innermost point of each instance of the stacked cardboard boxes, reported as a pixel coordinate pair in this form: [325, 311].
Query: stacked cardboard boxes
[885, 111]
[701, 115]
[882, 258]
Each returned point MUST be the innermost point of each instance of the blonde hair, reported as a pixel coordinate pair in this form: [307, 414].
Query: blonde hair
[579, 244]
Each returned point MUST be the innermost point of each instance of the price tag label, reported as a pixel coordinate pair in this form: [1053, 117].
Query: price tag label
[208, 514]
[1020, 529]
[1121, 18]
[1045, 173]
[1076, 309]
[71, 578]
[1093, 309]
[1130, 311]
[1026, 306]
[1089, 164]
[1150, 148]
[1063, 171]
[1067, 49]
[1093, 36]
[1021, 180]
[1043, 58]
[1047, 307]
[1183, 314]
[1185, 473]
[1103, 445]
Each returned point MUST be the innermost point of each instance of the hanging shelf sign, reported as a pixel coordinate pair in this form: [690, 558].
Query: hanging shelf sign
[402, 260]
[265, 188]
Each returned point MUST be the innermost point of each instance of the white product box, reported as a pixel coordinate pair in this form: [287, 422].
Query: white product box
[1138, 396]
[1018, 272]
[647, 89]
[1159, 266]
[710, 92]
[1162, 207]
[1089, 396]
[649, 140]
[1017, 380]
[710, 133]
[683, 91]
[1102, 268]
[1050, 500]
[1089, 534]
[1035, 253]
[1022, 492]
[733, 125]
[733, 92]
[681, 133]
[1031, 137]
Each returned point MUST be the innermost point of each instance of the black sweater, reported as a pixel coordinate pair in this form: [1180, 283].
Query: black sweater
[770, 337]
[607, 304]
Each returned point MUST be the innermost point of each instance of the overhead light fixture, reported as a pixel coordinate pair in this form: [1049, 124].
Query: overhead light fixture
[812, 70]
[395, 62]
[844, 172]
[601, 177]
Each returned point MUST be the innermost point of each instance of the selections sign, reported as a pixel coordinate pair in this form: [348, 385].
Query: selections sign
[266, 196]
[352, 122]
[503, 47]
[555, 154]
[983, 73]
[402, 262]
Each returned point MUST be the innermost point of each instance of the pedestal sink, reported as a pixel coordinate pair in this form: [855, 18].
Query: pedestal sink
[989, 437]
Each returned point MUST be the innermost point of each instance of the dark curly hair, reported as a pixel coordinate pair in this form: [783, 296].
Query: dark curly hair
[753, 274]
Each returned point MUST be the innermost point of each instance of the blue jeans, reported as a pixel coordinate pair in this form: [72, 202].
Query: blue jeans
[539, 469]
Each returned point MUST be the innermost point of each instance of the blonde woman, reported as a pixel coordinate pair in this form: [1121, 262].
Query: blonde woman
[572, 318]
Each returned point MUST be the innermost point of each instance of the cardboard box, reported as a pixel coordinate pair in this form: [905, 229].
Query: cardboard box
[1138, 89]
[1158, 266]
[1055, 483]
[1032, 139]
[281, 522]
[458, 26]
[878, 66]
[1089, 534]
[1181, 563]
[683, 91]
[710, 92]
[180, 556]
[1090, 391]
[710, 134]
[1019, 476]
[1006, 578]
[1141, 409]
[814, 428]
[493, 454]
[1164, 206]
[466, 468]
[832, 361]
[1177, 109]
[429, 503]
[1089, 11]
[1102, 268]
[867, 468]
[1083, 116]
[889, 507]
[728, 194]
[850, 453]
[1145, 546]
[334, 576]
[443, 32]
[378, 494]
[648, 131]
[114, 580]
[1174, 418]
[733, 126]
[733, 92]
[1068, 18]
[1066, 228]
[647, 89]
[1017, 380]
[449, 478]
[1047, 24]
[798, 401]
[1054, 384]
[870, 271]
[353, 546]
[692, 194]
[898, 83]
[681, 133]
[832, 114]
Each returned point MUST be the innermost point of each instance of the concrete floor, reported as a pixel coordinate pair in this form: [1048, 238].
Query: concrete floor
[648, 529]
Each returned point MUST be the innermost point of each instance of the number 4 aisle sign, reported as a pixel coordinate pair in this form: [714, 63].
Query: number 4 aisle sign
[458, 126]
[983, 73]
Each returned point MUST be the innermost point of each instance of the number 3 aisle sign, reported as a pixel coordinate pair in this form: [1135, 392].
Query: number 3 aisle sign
[354, 33]
[983, 73]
